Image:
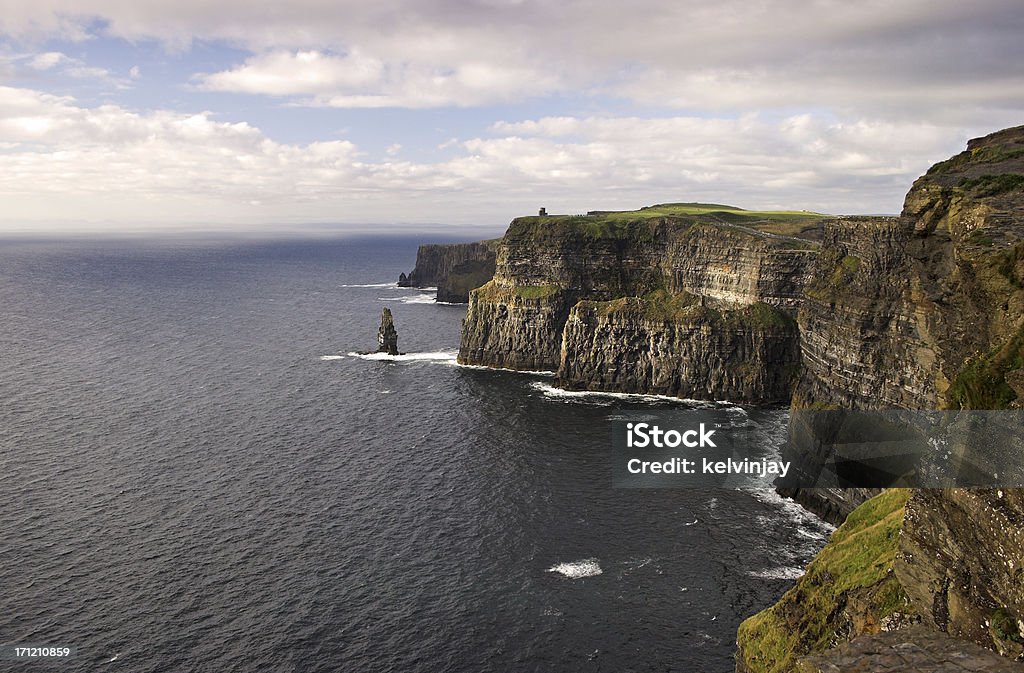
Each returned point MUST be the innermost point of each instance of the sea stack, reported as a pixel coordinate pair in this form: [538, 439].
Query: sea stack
[387, 337]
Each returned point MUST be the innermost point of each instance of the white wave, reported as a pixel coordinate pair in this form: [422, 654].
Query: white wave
[532, 372]
[816, 535]
[577, 569]
[632, 565]
[379, 285]
[553, 392]
[807, 524]
[332, 357]
[411, 299]
[444, 357]
[780, 573]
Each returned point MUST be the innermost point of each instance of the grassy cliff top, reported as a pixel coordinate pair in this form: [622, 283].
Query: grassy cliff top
[853, 569]
[604, 222]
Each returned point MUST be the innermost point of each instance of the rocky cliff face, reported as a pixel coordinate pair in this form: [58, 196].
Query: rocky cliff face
[455, 269]
[924, 311]
[679, 305]
[673, 345]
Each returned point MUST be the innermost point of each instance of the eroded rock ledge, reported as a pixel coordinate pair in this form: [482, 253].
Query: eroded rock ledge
[914, 650]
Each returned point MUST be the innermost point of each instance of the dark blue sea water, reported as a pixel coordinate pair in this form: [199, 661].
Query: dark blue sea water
[195, 476]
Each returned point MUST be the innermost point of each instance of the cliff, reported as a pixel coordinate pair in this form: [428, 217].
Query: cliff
[454, 269]
[923, 311]
[683, 299]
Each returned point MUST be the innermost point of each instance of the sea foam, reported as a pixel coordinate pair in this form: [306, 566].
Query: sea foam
[443, 357]
[411, 299]
[577, 569]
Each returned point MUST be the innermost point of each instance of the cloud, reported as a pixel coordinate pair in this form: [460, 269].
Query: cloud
[46, 60]
[64, 162]
[359, 81]
[53, 64]
[893, 60]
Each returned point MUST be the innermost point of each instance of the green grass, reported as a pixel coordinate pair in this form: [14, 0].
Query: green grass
[981, 155]
[663, 306]
[980, 237]
[981, 384]
[857, 560]
[610, 223]
[760, 315]
[656, 306]
[837, 283]
[993, 185]
[492, 292]
[535, 291]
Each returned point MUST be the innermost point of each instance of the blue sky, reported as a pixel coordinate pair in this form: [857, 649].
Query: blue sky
[159, 115]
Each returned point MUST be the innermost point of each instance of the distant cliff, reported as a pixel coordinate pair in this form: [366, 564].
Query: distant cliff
[685, 300]
[454, 269]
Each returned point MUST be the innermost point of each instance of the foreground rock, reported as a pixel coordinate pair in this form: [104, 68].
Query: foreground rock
[914, 650]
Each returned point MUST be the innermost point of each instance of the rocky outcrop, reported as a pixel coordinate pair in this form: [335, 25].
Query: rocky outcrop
[687, 306]
[912, 650]
[961, 561]
[387, 336]
[848, 590]
[455, 269]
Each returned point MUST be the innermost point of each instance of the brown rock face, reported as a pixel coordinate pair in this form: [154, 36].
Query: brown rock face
[745, 355]
[913, 650]
[962, 563]
[668, 305]
[926, 311]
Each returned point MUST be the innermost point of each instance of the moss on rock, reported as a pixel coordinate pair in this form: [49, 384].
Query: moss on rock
[848, 589]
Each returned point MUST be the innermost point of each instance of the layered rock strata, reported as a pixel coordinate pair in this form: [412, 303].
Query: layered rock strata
[925, 311]
[682, 306]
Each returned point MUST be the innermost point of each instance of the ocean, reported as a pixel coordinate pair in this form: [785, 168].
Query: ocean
[199, 473]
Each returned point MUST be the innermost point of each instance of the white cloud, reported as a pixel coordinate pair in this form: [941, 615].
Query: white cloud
[358, 80]
[64, 162]
[46, 60]
[913, 59]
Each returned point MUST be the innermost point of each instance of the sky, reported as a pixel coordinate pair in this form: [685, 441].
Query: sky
[143, 116]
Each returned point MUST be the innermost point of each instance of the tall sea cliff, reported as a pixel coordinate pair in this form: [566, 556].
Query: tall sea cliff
[689, 300]
[920, 311]
[923, 311]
